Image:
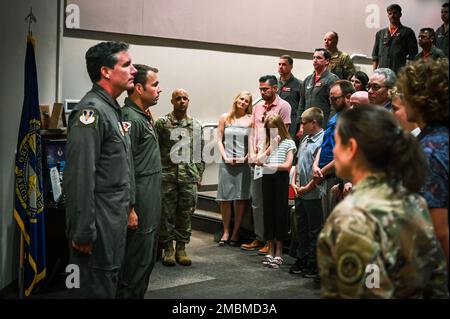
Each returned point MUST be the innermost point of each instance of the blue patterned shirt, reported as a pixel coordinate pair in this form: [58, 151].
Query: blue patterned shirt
[434, 142]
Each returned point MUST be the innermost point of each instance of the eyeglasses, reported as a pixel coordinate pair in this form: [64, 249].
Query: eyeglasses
[335, 98]
[263, 118]
[374, 86]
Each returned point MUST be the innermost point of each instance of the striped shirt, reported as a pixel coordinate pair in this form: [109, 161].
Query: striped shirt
[278, 156]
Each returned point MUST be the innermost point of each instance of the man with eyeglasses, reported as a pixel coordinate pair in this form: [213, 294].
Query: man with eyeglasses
[323, 167]
[378, 87]
[271, 103]
[427, 38]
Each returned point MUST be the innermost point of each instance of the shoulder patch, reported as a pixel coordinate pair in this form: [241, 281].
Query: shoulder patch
[350, 268]
[88, 117]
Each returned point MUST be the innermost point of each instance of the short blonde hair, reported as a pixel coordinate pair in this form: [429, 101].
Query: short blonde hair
[313, 114]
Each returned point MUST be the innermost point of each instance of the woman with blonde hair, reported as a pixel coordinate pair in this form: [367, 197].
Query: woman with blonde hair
[234, 172]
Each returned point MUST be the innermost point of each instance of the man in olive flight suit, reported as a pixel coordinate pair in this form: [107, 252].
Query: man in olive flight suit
[144, 217]
[181, 144]
[98, 178]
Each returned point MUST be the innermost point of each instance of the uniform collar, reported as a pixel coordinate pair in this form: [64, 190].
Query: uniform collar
[173, 119]
[105, 96]
[324, 74]
[130, 103]
[336, 54]
[369, 182]
[291, 77]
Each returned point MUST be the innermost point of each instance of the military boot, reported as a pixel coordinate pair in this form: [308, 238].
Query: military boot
[180, 255]
[169, 254]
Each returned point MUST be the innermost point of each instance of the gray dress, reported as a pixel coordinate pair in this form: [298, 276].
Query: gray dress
[234, 180]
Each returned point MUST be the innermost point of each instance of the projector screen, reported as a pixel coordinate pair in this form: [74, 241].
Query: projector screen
[294, 25]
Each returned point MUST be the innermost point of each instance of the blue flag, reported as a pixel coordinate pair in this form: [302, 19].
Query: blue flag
[29, 205]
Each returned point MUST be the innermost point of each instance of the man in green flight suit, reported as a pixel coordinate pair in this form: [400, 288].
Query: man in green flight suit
[98, 178]
[181, 144]
[144, 217]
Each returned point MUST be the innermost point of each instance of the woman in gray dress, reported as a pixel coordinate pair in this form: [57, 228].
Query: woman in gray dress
[234, 173]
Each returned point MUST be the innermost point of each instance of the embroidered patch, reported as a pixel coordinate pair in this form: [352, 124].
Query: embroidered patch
[121, 128]
[350, 268]
[126, 126]
[87, 117]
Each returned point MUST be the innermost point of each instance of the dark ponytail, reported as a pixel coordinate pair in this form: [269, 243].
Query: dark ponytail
[386, 147]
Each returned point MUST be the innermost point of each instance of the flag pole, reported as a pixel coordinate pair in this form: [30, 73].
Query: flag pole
[21, 280]
[21, 268]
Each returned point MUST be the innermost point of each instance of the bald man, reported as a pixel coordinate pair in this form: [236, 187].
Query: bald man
[182, 173]
[359, 98]
[340, 63]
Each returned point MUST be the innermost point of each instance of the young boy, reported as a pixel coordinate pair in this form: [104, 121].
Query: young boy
[308, 208]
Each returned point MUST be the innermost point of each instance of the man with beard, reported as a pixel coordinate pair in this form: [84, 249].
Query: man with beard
[271, 103]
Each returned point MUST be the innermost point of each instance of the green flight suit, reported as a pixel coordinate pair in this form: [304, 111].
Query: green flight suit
[98, 187]
[291, 91]
[142, 243]
[181, 145]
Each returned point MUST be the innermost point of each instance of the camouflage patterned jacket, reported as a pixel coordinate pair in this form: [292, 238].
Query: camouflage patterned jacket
[181, 146]
[378, 243]
[342, 65]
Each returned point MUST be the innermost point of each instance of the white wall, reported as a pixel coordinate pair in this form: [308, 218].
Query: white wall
[211, 76]
[13, 39]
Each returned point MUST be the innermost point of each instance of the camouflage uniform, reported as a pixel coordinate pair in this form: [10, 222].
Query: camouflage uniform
[342, 65]
[392, 230]
[179, 180]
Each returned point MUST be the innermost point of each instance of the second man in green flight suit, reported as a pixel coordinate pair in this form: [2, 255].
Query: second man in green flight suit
[144, 218]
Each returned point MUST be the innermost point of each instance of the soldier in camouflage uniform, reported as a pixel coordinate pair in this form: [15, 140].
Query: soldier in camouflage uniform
[379, 242]
[144, 217]
[98, 178]
[181, 144]
[341, 63]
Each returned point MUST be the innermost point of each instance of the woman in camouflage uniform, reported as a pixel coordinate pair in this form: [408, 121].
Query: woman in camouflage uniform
[379, 242]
